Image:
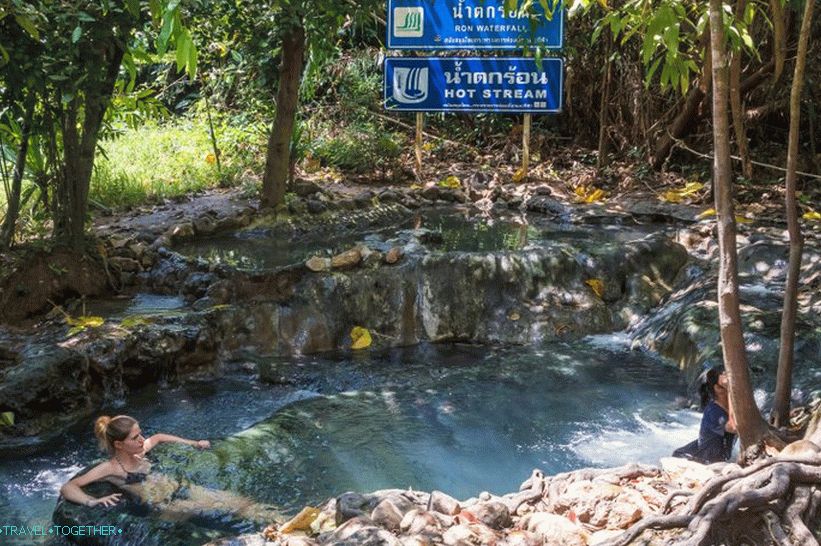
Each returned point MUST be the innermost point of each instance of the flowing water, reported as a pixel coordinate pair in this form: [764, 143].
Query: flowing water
[461, 419]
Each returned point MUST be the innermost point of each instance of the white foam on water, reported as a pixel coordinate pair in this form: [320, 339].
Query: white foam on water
[47, 483]
[617, 340]
[646, 444]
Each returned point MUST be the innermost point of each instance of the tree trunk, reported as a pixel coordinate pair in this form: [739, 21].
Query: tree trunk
[781, 406]
[78, 149]
[278, 156]
[13, 208]
[751, 425]
[603, 159]
[737, 105]
[688, 117]
[779, 39]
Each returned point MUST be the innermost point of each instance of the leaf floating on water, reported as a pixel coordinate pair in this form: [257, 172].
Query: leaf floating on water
[360, 338]
[7, 419]
[706, 214]
[451, 181]
[812, 215]
[596, 285]
[301, 521]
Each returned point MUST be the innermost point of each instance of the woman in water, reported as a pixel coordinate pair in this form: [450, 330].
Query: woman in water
[121, 437]
[717, 433]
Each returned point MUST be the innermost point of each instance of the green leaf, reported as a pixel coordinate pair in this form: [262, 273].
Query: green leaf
[183, 43]
[133, 7]
[165, 33]
[75, 36]
[7, 419]
[27, 25]
[193, 56]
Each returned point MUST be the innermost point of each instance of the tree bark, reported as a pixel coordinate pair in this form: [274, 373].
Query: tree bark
[603, 159]
[278, 156]
[737, 105]
[13, 208]
[79, 148]
[751, 425]
[781, 406]
[779, 39]
[688, 117]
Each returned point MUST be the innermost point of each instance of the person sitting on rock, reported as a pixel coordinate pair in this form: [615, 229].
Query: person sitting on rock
[717, 433]
[121, 437]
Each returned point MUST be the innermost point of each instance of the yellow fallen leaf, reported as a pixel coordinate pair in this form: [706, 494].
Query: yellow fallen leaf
[691, 188]
[671, 197]
[427, 146]
[450, 182]
[85, 322]
[677, 196]
[7, 419]
[706, 214]
[78, 324]
[519, 175]
[596, 285]
[812, 215]
[360, 338]
[595, 195]
[301, 521]
[210, 159]
[416, 186]
[589, 194]
[743, 219]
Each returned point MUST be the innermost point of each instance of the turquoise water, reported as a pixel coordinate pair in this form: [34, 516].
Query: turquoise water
[461, 419]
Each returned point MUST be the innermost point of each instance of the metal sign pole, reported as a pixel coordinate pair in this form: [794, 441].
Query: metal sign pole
[525, 146]
[420, 116]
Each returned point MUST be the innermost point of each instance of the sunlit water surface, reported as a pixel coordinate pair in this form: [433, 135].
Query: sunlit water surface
[460, 419]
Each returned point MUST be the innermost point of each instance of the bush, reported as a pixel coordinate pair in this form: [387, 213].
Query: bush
[360, 148]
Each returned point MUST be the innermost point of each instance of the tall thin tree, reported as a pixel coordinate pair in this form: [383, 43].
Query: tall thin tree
[786, 353]
[751, 425]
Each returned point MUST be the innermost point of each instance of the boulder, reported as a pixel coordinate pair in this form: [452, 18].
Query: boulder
[444, 504]
[394, 255]
[317, 264]
[494, 514]
[556, 530]
[347, 259]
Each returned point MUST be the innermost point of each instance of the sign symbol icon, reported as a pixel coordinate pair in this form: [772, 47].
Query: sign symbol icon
[410, 85]
[408, 22]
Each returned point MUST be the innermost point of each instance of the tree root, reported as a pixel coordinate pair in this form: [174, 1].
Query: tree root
[782, 494]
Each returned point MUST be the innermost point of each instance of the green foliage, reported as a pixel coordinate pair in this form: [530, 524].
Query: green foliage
[360, 148]
[165, 160]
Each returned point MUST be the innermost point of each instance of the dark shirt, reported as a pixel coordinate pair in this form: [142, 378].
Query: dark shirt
[714, 443]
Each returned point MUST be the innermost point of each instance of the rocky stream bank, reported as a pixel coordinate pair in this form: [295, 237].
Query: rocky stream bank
[399, 278]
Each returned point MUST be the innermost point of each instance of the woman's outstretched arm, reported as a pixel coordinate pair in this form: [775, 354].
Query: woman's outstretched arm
[72, 491]
[160, 438]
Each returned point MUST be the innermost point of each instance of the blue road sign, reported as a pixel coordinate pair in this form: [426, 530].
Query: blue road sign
[473, 84]
[472, 24]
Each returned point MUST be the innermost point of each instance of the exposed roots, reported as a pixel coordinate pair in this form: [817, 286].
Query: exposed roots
[782, 494]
